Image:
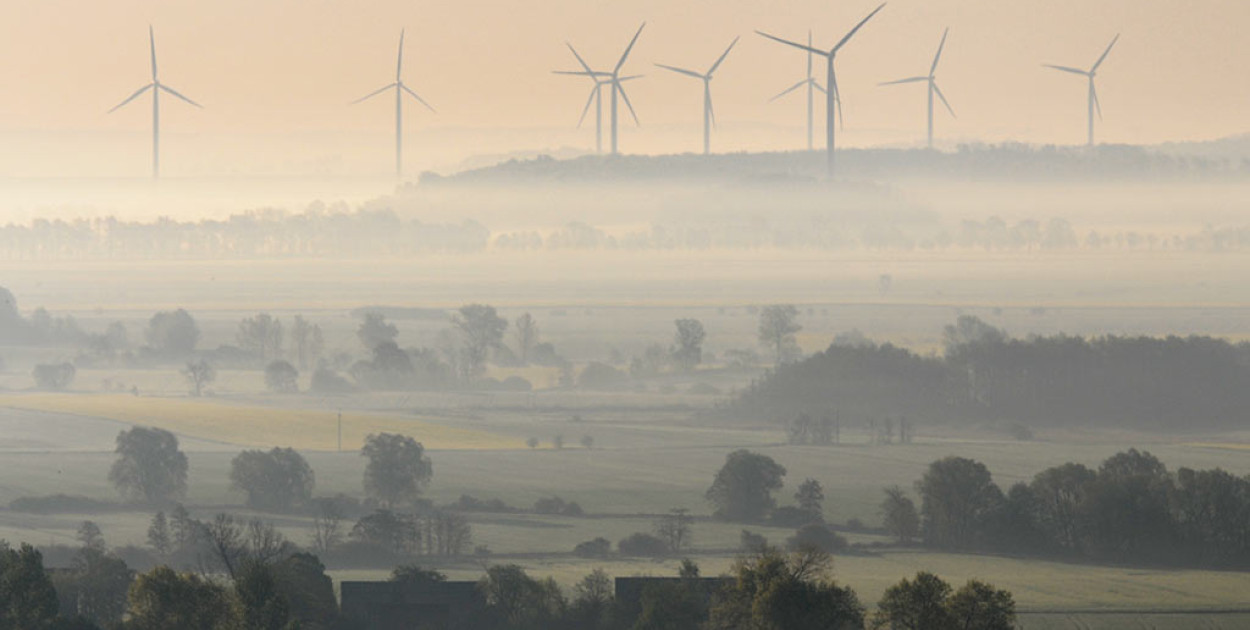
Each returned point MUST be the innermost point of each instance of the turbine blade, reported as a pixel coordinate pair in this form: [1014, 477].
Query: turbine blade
[399, 62]
[582, 74]
[630, 78]
[1105, 53]
[373, 93]
[586, 110]
[789, 90]
[938, 56]
[938, 90]
[132, 97]
[625, 97]
[690, 73]
[1067, 69]
[787, 42]
[175, 93]
[419, 99]
[1093, 91]
[820, 88]
[625, 55]
[722, 57]
[856, 29]
[152, 43]
[711, 111]
[907, 80]
[579, 58]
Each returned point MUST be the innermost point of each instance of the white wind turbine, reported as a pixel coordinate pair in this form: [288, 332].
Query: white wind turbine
[830, 80]
[1093, 91]
[709, 116]
[157, 87]
[596, 94]
[812, 85]
[931, 79]
[400, 89]
[617, 89]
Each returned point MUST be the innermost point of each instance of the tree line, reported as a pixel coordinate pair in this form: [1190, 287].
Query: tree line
[1130, 508]
[1142, 382]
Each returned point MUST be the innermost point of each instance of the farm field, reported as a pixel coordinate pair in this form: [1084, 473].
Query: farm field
[644, 460]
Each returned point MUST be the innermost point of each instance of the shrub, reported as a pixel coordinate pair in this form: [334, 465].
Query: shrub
[330, 382]
[54, 376]
[597, 548]
[602, 376]
[469, 503]
[751, 542]
[790, 516]
[819, 536]
[556, 505]
[642, 544]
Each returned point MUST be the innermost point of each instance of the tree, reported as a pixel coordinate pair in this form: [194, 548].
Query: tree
[1062, 495]
[172, 333]
[54, 376]
[100, 582]
[810, 497]
[397, 468]
[307, 342]
[980, 606]
[159, 538]
[958, 498]
[674, 529]
[742, 489]
[481, 329]
[970, 330]
[162, 599]
[817, 535]
[526, 331]
[389, 530]
[777, 328]
[593, 599]
[90, 536]
[149, 466]
[688, 349]
[771, 591]
[261, 335]
[282, 377]
[27, 596]
[260, 602]
[898, 515]
[520, 601]
[199, 373]
[375, 330]
[916, 604]
[327, 526]
[275, 480]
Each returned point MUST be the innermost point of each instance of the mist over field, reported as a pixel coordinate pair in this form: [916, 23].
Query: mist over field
[274, 358]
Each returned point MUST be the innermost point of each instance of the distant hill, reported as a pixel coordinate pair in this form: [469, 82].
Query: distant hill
[1006, 162]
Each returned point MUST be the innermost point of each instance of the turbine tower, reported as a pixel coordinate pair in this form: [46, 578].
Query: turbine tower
[812, 85]
[596, 94]
[157, 87]
[830, 80]
[400, 90]
[931, 79]
[1093, 91]
[709, 116]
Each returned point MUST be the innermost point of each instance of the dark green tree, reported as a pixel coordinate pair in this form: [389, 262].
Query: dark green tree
[172, 333]
[742, 489]
[397, 468]
[27, 597]
[958, 499]
[278, 479]
[149, 466]
[163, 599]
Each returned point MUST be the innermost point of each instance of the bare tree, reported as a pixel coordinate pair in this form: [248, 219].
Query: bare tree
[261, 334]
[327, 526]
[199, 373]
[777, 328]
[674, 529]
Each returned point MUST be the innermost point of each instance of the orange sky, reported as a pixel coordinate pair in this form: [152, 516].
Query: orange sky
[275, 76]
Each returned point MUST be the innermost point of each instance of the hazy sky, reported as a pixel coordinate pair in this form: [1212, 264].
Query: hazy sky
[275, 76]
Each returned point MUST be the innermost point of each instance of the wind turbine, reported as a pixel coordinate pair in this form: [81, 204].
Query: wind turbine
[400, 89]
[931, 79]
[157, 87]
[618, 89]
[1093, 91]
[830, 79]
[596, 94]
[812, 85]
[709, 116]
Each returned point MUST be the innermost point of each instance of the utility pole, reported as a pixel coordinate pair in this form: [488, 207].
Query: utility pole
[340, 430]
